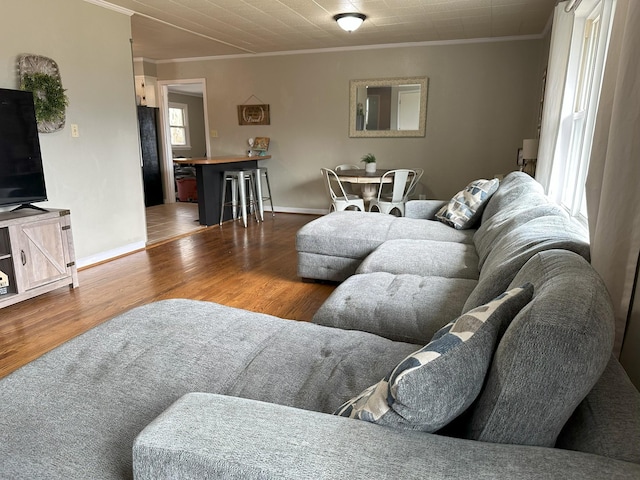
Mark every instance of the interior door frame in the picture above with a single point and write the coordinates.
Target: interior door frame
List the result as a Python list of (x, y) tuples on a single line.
[(168, 180)]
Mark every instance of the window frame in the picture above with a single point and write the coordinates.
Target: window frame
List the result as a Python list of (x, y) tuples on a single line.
[(185, 114), (585, 71)]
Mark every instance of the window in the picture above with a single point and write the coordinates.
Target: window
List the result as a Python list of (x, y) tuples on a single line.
[(179, 125), (591, 27)]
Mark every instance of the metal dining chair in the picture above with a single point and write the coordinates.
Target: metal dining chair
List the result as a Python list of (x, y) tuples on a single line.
[(350, 189), (419, 173), (340, 199), (346, 166), (404, 181)]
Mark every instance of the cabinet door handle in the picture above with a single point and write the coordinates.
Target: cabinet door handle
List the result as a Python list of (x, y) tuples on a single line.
[(23, 257)]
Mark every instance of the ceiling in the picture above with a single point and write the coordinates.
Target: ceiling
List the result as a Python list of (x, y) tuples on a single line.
[(173, 29)]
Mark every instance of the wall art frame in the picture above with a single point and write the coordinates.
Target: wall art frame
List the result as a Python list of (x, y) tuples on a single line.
[(254, 114)]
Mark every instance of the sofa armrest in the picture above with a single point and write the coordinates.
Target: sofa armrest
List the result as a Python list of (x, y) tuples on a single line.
[(214, 436), (424, 209)]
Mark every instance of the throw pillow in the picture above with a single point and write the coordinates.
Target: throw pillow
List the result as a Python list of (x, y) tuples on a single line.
[(466, 206), (435, 384)]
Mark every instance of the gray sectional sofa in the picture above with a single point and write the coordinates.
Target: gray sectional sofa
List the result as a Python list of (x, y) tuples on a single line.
[(413, 285), (182, 389)]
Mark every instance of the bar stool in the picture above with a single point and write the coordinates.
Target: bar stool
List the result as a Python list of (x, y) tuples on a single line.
[(259, 173), (239, 180)]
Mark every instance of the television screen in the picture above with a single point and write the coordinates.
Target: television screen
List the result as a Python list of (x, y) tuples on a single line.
[(21, 173)]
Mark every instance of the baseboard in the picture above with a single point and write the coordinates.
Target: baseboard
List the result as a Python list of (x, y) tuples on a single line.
[(109, 254), (307, 211), (132, 247)]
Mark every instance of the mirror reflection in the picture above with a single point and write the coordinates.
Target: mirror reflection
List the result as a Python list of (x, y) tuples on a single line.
[(392, 107)]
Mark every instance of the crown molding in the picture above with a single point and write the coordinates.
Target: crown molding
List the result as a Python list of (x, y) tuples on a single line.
[(111, 6), (126, 11), (356, 48)]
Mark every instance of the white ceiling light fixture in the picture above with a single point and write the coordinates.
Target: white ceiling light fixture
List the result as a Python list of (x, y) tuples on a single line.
[(349, 21)]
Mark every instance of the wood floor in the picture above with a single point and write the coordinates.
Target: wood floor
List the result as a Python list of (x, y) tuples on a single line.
[(171, 220), (252, 268)]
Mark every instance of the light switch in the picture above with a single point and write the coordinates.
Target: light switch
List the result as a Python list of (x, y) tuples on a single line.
[(214, 133)]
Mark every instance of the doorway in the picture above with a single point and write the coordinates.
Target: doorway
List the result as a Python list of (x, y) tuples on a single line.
[(172, 219), (191, 95)]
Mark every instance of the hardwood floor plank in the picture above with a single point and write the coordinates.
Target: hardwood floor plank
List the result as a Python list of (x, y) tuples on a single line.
[(171, 220), (253, 268)]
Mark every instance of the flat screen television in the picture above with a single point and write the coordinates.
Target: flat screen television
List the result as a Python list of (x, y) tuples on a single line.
[(21, 173)]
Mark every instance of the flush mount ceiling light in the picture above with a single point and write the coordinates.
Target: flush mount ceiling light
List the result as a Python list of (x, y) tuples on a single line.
[(349, 21)]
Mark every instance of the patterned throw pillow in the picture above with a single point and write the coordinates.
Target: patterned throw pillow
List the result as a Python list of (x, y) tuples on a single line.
[(466, 206), (435, 384)]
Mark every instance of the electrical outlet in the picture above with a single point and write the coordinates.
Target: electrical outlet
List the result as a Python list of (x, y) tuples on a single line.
[(74, 130), (214, 133)]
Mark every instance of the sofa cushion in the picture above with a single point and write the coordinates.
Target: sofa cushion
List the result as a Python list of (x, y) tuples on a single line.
[(488, 234), (326, 267), (550, 357), (517, 246), (423, 258), (406, 308), (433, 385), (516, 189), (425, 209), (466, 206), (346, 234), (417, 229)]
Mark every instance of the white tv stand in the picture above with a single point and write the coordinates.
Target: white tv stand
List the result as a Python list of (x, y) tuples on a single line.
[(36, 253)]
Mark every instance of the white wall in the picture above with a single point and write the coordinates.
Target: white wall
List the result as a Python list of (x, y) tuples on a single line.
[(483, 100), (97, 176)]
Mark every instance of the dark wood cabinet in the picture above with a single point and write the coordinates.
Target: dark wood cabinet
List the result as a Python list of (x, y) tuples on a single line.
[(150, 145)]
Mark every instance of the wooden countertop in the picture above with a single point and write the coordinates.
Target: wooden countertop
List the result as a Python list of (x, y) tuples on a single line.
[(220, 159)]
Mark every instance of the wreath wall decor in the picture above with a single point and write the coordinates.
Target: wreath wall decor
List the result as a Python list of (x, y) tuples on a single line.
[(41, 76)]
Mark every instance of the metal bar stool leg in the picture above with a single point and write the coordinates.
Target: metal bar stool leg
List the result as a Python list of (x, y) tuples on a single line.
[(224, 196), (263, 170), (234, 196), (243, 197), (253, 195), (253, 192), (238, 180), (258, 182)]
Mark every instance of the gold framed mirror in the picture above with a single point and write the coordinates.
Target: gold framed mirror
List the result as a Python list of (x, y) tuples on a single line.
[(388, 107)]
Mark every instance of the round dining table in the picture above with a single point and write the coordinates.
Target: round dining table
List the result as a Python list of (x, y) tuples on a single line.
[(369, 182)]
